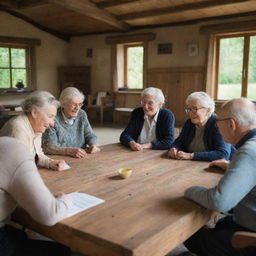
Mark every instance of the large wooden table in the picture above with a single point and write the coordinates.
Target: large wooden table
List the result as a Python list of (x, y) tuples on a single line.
[(144, 215)]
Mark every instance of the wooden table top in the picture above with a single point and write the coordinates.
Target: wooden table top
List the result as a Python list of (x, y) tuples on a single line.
[(144, 215)]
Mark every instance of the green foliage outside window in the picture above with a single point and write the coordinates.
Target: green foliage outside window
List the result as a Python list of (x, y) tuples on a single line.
[(135, 67), (231, 68), (12, 67)]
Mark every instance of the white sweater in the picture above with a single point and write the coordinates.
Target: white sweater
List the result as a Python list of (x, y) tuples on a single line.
[(19, 127), (21, 184)]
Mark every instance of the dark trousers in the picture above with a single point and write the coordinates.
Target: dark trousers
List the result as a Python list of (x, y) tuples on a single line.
[(217, 241), (14, 242)]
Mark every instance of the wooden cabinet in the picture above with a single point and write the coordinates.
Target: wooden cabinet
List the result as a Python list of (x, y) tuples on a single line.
[(75, 76)]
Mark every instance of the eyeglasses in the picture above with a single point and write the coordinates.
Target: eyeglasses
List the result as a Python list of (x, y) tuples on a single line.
[(224, 119), (149, 103), (192, 110), (79, 105)]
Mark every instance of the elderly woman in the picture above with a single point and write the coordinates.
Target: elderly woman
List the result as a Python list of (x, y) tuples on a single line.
[(21, 185), (71, 134), (39, 109), (151, 126), (200, 138)]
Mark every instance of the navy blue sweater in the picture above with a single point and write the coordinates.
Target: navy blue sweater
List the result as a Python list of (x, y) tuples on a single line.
[(214, 144), (164, 128)]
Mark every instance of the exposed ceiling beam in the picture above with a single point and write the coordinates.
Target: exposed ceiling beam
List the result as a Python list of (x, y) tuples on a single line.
[(9, 3), (90, 9), (113, 3), (19, 15), (179, 8), (24, 4)]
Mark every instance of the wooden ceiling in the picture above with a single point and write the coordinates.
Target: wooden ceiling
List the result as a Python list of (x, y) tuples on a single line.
[(66, 18)]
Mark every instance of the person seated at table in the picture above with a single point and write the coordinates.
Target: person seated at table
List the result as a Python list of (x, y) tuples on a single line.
[(151, 126), (200, 139), (237, 188), (21, 185), (71, 134), (39, 109)]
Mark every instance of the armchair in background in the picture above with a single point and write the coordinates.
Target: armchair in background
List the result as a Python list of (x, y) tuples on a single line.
[(101, 102)]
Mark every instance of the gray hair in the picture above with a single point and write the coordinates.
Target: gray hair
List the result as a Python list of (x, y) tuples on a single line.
[(242, 110), (68, 93), (205, 100), (159, 96), (38, 100)]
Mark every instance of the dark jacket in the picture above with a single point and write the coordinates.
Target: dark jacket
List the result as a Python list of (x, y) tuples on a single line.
[(164, 128), (214, 143)]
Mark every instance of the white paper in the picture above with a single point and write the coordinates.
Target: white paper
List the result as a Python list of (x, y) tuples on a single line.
[(82, 201), (66, 166)]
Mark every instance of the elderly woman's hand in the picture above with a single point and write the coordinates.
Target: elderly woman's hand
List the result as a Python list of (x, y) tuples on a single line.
[(135, 146), (93, 149), (181, 155), (57, 165), (146, 145), (221, 163), (172, 153), (76, 152)]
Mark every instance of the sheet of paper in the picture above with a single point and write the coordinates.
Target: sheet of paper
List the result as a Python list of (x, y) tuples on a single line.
[(82, 201), (66, 166)]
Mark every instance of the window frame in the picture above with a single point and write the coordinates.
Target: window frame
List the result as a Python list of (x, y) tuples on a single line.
[(29, 45), (126, 47), (245, 65)]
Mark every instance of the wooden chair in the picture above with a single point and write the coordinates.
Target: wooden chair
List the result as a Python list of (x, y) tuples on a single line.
[(243, 239), (101, 102)]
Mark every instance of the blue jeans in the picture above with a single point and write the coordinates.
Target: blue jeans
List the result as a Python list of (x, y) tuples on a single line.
[(14, 242), (217, 241)]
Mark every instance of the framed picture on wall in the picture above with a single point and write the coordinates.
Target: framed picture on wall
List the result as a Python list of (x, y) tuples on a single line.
[(165, 48), (192, 49)]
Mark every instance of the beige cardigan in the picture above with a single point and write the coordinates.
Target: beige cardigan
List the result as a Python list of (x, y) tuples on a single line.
[(19, 127), (21, 184)]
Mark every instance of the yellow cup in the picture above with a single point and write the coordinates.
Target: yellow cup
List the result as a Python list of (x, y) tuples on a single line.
[(125, 172)]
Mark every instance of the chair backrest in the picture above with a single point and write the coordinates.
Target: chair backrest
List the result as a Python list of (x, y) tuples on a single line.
[(243, 239), (100, 95)]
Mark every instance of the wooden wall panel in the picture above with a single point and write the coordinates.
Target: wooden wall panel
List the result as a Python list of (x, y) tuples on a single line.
[(177, 84)]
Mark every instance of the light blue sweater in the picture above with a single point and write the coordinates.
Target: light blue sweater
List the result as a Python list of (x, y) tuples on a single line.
[(237, 188)]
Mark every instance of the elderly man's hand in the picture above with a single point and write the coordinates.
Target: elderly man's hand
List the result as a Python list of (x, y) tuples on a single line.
[(57, 165), (93, 149), (76, 152), (135, 146), (221, 163)]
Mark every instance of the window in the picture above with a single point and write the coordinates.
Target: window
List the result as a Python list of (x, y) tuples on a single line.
[(129, 55), (13, 66), (236, 66), (133, 66), (17, 62)]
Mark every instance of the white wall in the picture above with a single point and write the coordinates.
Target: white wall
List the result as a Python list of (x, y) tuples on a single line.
[(49, 55)]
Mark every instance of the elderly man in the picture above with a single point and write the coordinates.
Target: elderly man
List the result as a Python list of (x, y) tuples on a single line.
[(237, 188)]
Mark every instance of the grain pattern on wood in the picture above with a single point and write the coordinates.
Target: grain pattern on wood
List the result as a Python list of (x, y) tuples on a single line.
[(144, 215)]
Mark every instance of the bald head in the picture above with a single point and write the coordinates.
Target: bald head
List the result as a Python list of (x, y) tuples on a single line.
[(242, 110)]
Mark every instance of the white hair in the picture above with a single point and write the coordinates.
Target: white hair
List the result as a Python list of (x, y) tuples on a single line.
[(205, 100), (159, 96), (242, 110), (38, 100), (68, 93)]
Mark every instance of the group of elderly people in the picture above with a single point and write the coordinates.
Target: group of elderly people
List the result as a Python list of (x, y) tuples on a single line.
[(65, 130)]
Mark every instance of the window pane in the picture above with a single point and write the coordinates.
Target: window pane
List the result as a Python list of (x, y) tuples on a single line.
[(19, 74), (5, 78), (251, 90), (4, 57), (135, 67), (230, 68), (18, 58)]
